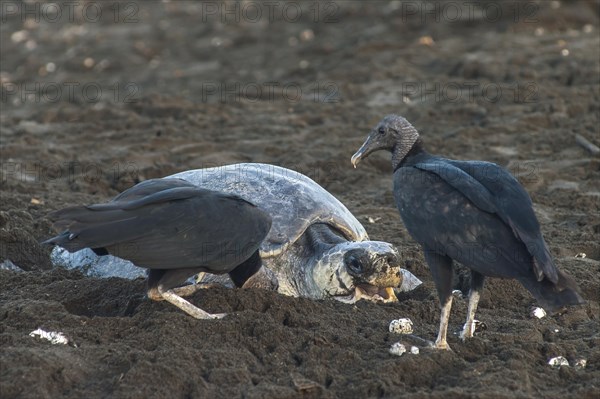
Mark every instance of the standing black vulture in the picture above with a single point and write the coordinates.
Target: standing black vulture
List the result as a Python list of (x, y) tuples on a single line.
[(175, 230), (470, 211)]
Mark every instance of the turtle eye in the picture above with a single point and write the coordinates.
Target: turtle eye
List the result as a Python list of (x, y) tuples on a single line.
[(354, 264), (381, 130)]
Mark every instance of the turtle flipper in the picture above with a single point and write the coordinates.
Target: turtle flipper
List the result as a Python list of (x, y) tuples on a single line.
[(264, 279)]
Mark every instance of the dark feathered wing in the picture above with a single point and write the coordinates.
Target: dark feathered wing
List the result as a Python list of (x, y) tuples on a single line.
[(494, 190), (151, 186), (167, 224)]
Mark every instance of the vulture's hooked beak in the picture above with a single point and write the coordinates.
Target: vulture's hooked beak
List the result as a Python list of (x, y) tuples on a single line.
[(362, 152)]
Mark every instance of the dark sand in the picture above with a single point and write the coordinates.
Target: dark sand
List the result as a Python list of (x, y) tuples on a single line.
[(307, 103)]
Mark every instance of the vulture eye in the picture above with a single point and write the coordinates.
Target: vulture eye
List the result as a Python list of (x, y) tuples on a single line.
[(381, 130)]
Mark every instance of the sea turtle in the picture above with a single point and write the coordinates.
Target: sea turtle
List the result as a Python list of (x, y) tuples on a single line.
[(316, 248)]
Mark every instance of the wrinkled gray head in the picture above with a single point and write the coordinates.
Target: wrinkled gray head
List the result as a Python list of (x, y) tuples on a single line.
[(393, 133), (360, 270)]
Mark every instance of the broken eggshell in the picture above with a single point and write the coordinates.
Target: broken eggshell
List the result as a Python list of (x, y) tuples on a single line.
[(52, 336), (558, 361), (401, 326), (580, 363), (397, 349)]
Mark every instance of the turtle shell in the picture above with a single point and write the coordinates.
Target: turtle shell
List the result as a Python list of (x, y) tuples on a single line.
[(293, 200)]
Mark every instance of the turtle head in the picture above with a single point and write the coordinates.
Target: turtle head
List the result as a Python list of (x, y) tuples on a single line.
[(370, 270)]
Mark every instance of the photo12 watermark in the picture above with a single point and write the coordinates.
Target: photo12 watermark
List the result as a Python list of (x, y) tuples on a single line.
[(70, 171), (329, 171), (54, 92), (124, 171), (467, 11), (525, 172), (291, 92), (71, 11), (270, 11), (468, 91), (206, 11)]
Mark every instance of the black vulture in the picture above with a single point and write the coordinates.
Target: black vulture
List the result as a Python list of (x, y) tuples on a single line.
[(472, 212), (175, 230)]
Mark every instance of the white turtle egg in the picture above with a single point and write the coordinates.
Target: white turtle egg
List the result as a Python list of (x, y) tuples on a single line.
[(558, 361), (397, 349), (401, 326), (414, 350), (538, 312)]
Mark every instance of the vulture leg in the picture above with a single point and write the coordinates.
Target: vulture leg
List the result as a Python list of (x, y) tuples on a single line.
[(476, 286), (441, 270), (162, 284)]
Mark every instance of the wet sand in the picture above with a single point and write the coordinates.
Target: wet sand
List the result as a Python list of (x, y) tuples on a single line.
[(163, 87)]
